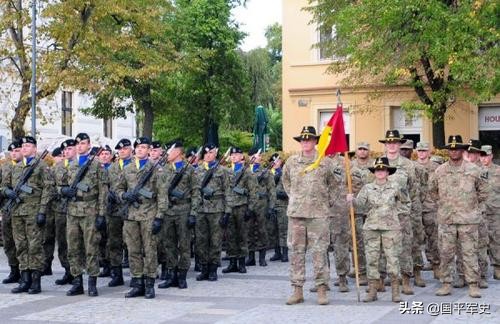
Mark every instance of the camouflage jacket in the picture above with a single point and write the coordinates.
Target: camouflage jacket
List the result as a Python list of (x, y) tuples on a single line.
[(360, 176), (246, 191), (60, 174), (340, 208), (460, 190), (383, 204), (406, 179), (311, 194), (40, 182), (219, 184), (491, 175), (5, 168), (128, 180), (114, 171), (281, 196), (428, 201), (93, 202), (175, 205), (266, 194)]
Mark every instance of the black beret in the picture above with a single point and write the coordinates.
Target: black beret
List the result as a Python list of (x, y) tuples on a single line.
[(94, 150), (123, 143), (81, 137), (253, 151), (177, 142), (207, 148), (274, 157), (156, 144), (107, 148), (28, 139), (235, 149), (57, 152), (190, 152), (15, 144), (68, 142), (142, 140)]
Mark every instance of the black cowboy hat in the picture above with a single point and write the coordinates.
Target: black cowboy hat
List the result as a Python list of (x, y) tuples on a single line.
[(474, 146), (392, 135), (382, 163), (308, 132), (455, 142)]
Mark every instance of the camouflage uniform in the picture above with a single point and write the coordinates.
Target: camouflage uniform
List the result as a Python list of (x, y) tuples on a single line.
[(142, 244), (281, 207), (416, 216), (9, 246), (492, 177), (258, 239), (311, 197), (459, 190)]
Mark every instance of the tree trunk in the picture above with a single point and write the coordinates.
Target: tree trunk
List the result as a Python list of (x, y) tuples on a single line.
[(147, 108), (22, 109), (438, 133)]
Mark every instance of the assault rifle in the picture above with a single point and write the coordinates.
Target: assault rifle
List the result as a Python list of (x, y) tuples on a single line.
[(266, 170), (173, 192), (206, 192), (236, 189)]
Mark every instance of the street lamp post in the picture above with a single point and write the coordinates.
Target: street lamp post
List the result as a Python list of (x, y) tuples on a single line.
[(33, 68)]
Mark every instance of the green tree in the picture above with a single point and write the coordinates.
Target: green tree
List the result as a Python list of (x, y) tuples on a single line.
[(260, 72), (274, 41), (443, 49)]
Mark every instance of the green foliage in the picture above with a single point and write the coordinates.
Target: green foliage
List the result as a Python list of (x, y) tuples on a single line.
[(238, 138), (274, 42), (275, 128)]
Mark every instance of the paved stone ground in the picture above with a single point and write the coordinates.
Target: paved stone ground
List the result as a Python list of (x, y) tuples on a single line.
[(257, 297)]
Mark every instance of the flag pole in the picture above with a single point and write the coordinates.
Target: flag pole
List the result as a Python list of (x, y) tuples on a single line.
[(347, 162)]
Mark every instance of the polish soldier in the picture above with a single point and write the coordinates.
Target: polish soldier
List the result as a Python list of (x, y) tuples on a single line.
[(29, 215), (281, 251), (106, 160)]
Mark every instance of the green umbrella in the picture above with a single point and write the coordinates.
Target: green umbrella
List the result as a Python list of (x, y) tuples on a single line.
[(260, 132)]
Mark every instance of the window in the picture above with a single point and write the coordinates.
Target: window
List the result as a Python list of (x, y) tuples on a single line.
[(325, 37), (410, 126), (67, 113), (107, 127)]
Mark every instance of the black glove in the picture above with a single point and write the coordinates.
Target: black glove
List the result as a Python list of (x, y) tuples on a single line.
[(130, 197), (100, 223), (41, 219), (249, 214), (224, 220), (191, 222), (156, 227), (68, 192), (112, 198), (281, 195), (11, 194)]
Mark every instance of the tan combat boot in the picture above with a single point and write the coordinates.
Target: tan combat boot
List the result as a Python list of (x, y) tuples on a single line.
[(496, 273), (395, 289), (419, 281), (483, 283), (460, 282), (381, 285), (406, 285), (297, 297), (363, 281), (474, 290), (322, 296), (372, 291), (343, 284), (435, 269), (445, 289), (315, 289)]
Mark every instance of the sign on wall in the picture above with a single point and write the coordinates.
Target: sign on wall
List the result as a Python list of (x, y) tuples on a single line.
[(489, 118)]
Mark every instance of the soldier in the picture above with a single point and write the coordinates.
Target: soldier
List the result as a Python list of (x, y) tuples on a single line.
[(492, 175), (406, 178), (310, 206), (9, 245), (142, 224), (460, 191), (264, 209), (85, 216), (383, 201), (156, 151), (191, 155), (281, 251), (241, 200), (211, 211), (429, 208), (28, 216), (175, 187)]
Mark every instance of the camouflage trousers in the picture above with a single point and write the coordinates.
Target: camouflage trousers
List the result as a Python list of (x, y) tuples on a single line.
[(482, 251), (142, 248), (114, 241), (360, 221), (340, 239), (55, 231), (407, 248), (418, 233), (449, 236), (83, 244), (429, 220), (28, 237), (282, 226), (237, 236), (494, 236), (208, 238), (257, 231), (9, 246), (377, 241), (272, 231), (177, 240), (312, 234)]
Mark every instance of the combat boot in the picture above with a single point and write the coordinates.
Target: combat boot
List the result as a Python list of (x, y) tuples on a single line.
[(445, 289), (251, 259), (204, 273), (315, 288), (77, 288), (182, 279), (116, 277), (67, 278), (106, 270), (381, 285), (262, 258), (232, 267), (168, 280), (137, 290), (150, 288), (483, 283), (212, 272), (406, 285), (496, 273), (284, 254), (419, 281), (435, 270), (277, 254), (372, 291), (343, 284), (24, 284), (125, 263), (241, 265), (36, 287), (395, 289), (92, 282), (322, 295), (14, 275), (459, 282), (363, 281), (163, 273), (474, 290), (297, 297)]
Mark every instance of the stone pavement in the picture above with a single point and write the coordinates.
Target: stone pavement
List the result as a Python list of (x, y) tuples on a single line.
[(257, 297)]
